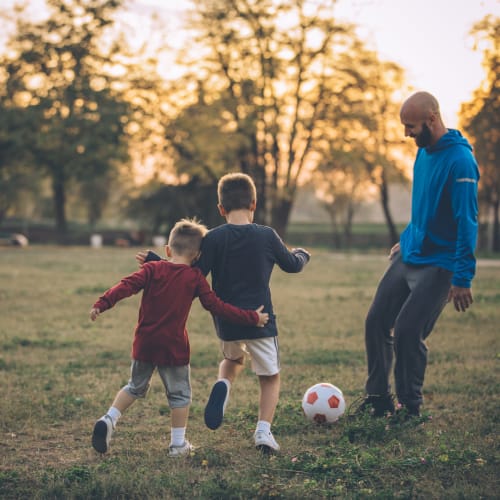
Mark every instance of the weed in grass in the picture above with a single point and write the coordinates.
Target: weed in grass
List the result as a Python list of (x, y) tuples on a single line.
[(211, 458)]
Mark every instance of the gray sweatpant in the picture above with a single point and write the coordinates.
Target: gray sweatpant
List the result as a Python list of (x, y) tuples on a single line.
[(407, 303)]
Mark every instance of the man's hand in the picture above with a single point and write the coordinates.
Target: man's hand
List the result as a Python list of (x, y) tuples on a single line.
[(140, 257), (394, 251), (263, 317), (94, 312), (461, 297)]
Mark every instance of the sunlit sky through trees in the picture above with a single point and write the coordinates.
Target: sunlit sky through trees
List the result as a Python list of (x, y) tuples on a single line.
[(429, 38)]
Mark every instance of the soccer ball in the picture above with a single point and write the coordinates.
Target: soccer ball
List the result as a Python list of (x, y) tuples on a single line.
[(323, 403)]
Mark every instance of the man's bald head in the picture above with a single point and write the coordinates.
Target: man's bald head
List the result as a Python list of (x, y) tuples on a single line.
[(421, 118), (421, 104)]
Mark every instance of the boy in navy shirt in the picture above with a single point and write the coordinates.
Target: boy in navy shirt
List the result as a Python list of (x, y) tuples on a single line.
[(240, 256)]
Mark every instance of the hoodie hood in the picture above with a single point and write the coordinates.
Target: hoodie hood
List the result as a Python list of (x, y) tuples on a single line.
[(452, 138)]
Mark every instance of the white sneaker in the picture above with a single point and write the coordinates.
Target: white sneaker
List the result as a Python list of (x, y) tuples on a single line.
[(180, 451), (265, 441), (103, 429)]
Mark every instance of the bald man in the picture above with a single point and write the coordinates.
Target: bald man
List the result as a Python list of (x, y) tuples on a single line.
[(432, 264)]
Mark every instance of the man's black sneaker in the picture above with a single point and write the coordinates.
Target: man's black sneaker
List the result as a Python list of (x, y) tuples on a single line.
[(413, 411), (377, 406), (406, 412)]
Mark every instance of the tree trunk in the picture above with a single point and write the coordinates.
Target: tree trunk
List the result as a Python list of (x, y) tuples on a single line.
[(59, 198), (259, 176), (3, 212), (280, 214), (252, 164), (336, 236), (348, 224), (384, 199)]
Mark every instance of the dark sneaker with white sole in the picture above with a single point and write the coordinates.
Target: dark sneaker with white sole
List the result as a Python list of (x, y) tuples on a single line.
[(103, 429), (214, 411)]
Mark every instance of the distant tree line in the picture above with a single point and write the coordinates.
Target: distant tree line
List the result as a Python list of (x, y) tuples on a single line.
[(281, 90)]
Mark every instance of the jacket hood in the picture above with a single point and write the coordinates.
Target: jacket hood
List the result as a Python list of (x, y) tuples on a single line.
[(452, 138)]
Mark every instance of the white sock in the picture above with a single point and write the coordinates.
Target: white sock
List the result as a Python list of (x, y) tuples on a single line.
[(177, 436), (262, 425), (115, 415)]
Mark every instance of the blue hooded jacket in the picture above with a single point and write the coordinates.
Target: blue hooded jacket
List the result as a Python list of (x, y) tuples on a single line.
[(443, 227)]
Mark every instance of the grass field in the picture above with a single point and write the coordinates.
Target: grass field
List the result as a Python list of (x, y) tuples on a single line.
[(60, 373)]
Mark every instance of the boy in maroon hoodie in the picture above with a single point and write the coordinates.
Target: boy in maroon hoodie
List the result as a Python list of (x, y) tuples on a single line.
[(161, 341)]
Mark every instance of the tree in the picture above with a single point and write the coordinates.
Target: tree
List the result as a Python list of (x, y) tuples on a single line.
[(361, 148), (16, 178), (159, 206), (199, 150), (341, 183), (57, 70), (480, 118), (384, 153), (276, 64)]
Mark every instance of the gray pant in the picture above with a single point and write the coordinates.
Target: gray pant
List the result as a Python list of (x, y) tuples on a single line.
[(407, 303), (176, 380)]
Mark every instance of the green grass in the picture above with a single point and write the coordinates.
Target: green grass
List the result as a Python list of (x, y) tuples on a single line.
[(358, 228), (60, 372)]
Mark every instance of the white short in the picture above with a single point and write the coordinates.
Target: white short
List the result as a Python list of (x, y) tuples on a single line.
[(263, 353)]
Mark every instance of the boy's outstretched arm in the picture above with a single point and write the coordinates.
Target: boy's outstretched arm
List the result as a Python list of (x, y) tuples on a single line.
[(290, 261), (128, 286)]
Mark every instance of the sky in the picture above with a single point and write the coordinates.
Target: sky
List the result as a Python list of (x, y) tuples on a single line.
[(428, 38)]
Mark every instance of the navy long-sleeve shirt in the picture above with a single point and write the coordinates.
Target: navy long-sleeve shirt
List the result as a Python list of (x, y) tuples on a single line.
[(240, 259)]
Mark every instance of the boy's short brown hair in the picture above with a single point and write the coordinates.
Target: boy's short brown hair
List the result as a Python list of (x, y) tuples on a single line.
[(236, 191), (185, 237)]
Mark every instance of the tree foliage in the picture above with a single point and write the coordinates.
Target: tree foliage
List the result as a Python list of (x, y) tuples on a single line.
[(55, 75), (282, 69), (274, 88), (481, 120), (16, 178), (361, 149)]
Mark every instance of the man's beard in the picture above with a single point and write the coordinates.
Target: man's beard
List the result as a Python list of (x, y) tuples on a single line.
[(424, 138)]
